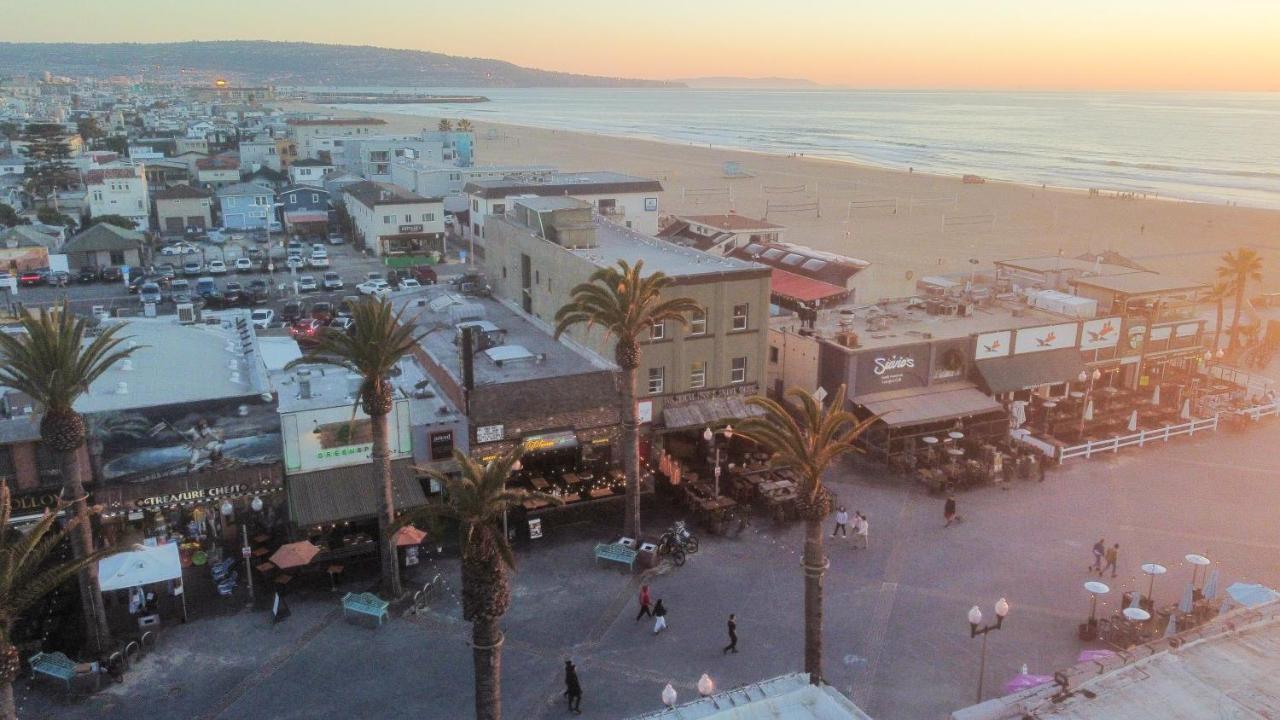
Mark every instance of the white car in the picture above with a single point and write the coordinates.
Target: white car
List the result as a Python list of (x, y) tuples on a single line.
[(262, 317), (179, 248), (336, 239), (244, 264), (216, 267), (409, 284), (295, 262), (377, 288), (318, 248), (307, 283), (332, 281), (318, 260)]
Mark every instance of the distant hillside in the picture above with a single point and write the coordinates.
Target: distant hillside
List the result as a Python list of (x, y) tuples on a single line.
[(744, 83), (281, 63)]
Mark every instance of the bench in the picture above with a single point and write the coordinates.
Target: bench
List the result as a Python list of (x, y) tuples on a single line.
[(55, 665), (365, 604), (616, 552)]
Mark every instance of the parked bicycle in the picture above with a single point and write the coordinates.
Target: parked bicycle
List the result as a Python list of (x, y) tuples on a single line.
[(677, 542), (422, 598)]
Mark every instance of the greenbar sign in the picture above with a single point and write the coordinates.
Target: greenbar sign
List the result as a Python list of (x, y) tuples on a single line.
[(364, 450), (404, 261)]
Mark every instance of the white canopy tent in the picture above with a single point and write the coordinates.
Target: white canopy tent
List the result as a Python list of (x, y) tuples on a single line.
[(143, 565)]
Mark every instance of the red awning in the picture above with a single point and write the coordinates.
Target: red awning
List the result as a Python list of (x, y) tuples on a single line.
[(306, 216), (791, 286)]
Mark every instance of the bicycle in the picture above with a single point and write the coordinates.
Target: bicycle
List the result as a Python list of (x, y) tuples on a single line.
[(677, 542), (422, 598)]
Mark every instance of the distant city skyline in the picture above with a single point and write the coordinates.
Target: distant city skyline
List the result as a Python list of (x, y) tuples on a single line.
[(982, 44)]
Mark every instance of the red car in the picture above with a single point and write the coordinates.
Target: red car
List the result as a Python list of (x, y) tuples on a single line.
[(29, 278), (307, 331)]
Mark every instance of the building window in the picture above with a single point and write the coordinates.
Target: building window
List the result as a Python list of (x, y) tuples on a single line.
[(698, 322), (475, 206), (738, 372), (260, 201), (117, 257), (773, 354), (499, 209), (698, 375), (97, 196), (504, 273), (315, 197), (388, 219), (428, 217), (657, 331), (740, 316), (655, 380)]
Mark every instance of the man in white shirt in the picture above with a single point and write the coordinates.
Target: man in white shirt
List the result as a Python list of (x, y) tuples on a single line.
[(861, 530)]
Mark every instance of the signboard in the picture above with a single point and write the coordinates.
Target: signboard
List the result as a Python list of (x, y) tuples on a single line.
[(196, 495), (1100, 333), (489, 433), (905, 366), (34, 503), (550, 441), (410, 228), (1187, 329), (1161, 333), (535, 528), (1045, 337), (993, 345), (644, 412), (441, 444), (743, 389), (334, 437)]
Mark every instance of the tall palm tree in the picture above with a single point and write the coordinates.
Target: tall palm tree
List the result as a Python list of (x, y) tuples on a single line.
[(25, 579), (1239, 268), (377, 342), (626, 305), (807, 438), (444, 125), (464, 125), (1219, 293), (478, 497), (53, 364)]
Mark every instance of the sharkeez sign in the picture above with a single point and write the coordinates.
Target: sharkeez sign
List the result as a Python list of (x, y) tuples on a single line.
[(1045, 337), (906, 366)]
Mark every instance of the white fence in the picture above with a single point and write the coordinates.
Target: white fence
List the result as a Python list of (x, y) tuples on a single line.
[(1255, 413)]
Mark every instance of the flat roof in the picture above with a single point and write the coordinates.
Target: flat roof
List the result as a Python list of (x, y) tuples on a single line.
[(910, 322), (615, 242), (176, 363), (1054, 263), (591, 182), (548, 357), (552, 202), (336, 387), (731, 222), (1141, 283)]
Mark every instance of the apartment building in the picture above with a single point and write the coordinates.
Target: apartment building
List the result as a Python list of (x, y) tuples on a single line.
[(443, 179), (119, 189), (392, 221), (372, 157), (306, 132), (628, 200), (309, 171)]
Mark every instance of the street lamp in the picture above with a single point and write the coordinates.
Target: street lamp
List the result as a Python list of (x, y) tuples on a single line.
[(976, 628), (1092, 378), (669, 696), (710, 437), (706, 685)]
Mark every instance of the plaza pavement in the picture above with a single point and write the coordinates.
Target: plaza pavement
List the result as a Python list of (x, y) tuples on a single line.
[(895, 633)]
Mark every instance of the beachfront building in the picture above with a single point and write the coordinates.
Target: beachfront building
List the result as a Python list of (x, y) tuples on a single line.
[(119, 189), (400, 226), (371, 157), (307, 131), (246, 206), (628, 200), (720, 234), (309, 171), (688, 377), (183, 207), (444, 179)]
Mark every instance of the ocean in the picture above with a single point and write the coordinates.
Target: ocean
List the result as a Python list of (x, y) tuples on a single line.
[(1207, 147)]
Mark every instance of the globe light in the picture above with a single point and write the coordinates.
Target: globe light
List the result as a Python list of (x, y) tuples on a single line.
[(1002, 608), (706, 685), (975, 615), (226, 508), (256, 504), (669, 696)]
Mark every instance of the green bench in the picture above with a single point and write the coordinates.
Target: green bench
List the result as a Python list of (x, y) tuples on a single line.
[(617, 553), (55, 665), (365, 604)]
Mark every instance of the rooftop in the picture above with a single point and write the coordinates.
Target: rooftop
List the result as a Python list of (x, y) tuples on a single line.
[(593, 182), (615, 242), (177, 363), (907, 321), (239, 189), (297, 122), (182, 192), (441, 310), (786, 697), (104, 236), (335, 387), (310, 162), (1140, 283), (731, 222), (1056, 263), (371, 194)]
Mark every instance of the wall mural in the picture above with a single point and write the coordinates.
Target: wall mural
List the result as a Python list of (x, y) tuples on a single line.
[(149, 443)]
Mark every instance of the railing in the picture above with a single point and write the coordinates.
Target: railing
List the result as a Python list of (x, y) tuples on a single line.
[(1256, 412), (1254, 383), (1139, 438)]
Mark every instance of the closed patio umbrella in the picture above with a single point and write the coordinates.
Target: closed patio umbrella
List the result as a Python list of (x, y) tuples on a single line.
[(1185, 605), (1211, 587), (1155, 396), (294, 554), (1186, 409), (1172, 628), (1088, 411), (1133, 421)]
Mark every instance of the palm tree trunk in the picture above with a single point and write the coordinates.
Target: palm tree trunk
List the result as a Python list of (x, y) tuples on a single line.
[(95, 614), (1235, 314), (815, 566), (486, 657), (8, 710), (1217, 328), (386, 508), (631, 453)]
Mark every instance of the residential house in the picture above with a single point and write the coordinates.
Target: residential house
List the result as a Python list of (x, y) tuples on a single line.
[(218, 171), (259, 153), (166, 173), (625, 199), (246, 206), (23, 248), (104, 245), (188, 144), (392, 221), (309, 171), (119, 189), (306, 210), (181, 207), (12, 164)]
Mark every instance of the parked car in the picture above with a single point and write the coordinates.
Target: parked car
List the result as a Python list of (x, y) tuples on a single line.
[(179, 248), (292, 311), (373, 287), (259, 292), (87, 274), (180, 291), (318, 260), (307, 331), (374, 276), (216, 267), (409, 284), (136, 281), (336, 239), (191, 269), (424, 274), (347, 303), (205, 286), (331, 281), (59, 278), (234, 294), (244, 265), (30, 278), (342, 324), (322, 311), (262, 317), (111, 273), (166, 272), (295, 246), (295, 262), (150, 293), (307, 283)]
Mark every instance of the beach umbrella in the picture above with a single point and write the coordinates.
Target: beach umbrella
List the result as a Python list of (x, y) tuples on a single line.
[(1186, 409), (1211, 587), (1088, 411), (294, 554), (1133, 421), (408, 536), (1188, 600), (1155, 396)]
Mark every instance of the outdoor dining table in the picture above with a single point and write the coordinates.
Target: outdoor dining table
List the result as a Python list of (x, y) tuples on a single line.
[(601, 492), (539, 483), (534, 504)]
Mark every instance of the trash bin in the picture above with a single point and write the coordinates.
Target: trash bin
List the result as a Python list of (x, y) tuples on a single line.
[(647, 555)]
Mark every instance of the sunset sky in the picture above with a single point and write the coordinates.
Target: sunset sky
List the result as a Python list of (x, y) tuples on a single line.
[(1055, 44)]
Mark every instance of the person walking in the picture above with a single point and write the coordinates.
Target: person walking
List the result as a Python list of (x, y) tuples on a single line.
[(659, 617), (572, 687), (1112, 555), (842, 522), (732, 647), (861, 530), (949, 510), (644, 603), (1099, 551)]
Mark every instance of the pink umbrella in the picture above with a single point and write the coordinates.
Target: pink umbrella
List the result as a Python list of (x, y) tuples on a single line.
[(408, 536), (294, 554)]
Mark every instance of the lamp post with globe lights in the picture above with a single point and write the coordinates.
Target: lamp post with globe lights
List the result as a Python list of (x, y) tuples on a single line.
[(710, 437), (976, 628), (1091, 378)]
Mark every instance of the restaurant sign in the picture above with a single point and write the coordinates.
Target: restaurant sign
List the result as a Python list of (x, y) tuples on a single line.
[(550, 441), (892, 369), (1100, 333), (197, 495), (993, 345), (410, 228), (34, 502), (1045, 337), (742, 389), (489, 433)]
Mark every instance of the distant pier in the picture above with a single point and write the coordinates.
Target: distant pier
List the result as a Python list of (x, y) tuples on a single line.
[(361, 98)]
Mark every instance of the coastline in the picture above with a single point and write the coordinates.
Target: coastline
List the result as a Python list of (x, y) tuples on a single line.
[(904, 223)]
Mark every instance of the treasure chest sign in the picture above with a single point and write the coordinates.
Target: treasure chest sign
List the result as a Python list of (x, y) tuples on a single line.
[(142, 445), (905, 366)]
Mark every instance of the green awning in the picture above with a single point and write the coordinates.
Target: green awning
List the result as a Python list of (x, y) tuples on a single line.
[(1019, 372)]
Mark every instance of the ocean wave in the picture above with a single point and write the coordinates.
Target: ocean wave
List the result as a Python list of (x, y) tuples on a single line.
[(1182, 169)]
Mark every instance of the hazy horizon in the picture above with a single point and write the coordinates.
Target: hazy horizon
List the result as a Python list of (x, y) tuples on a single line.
[(1187, 45)]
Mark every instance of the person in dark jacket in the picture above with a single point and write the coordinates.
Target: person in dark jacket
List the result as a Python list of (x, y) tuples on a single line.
[(659, 617), (949, 510), (572, 688), (732, 647)]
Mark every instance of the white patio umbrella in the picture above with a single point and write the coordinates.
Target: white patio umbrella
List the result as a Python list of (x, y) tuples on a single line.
[(1155, 396), (1186, 409), (1211, 587), (1088, 411), (1133, 421), (1019, 412)]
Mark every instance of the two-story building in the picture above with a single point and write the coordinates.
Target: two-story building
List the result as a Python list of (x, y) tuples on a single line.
[(306, 131), (259, 153), (119, 189), (306, 210), (624, 199), (309, 171), (182, 207), (393, 222), (371, 157), (218, 171), (246, 206)]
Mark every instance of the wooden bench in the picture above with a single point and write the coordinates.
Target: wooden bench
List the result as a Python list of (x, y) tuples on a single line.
[(365, 604), (617, 553), (55, 665)]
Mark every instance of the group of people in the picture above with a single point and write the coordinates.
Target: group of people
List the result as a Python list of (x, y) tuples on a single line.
[(1104, 558), (861, 528)]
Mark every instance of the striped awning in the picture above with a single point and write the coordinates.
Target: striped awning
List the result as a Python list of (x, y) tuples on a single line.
[(707, 413)]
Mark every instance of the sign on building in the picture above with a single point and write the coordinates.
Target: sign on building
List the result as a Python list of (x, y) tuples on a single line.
[(906, 366), (1045, 337), (1100, 333), (993, 345)]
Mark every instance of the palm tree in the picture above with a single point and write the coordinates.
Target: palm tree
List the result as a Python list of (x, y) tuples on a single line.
[(444, 125), (626, 305), (1238, 268), (374, 346), (478, 497), (24, 579), (102, 428), (53, 364), (1219, 293), (464, 125), (807, 438)]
